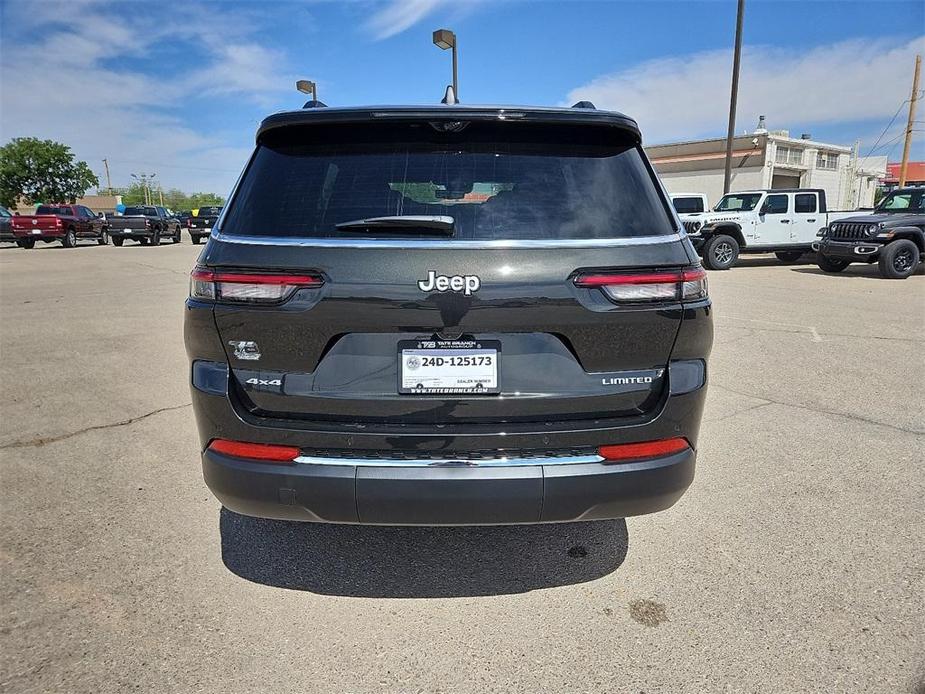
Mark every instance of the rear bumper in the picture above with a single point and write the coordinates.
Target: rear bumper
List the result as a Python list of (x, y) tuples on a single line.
[(132, 233), (387, 494), (39, 234), (448, 475)]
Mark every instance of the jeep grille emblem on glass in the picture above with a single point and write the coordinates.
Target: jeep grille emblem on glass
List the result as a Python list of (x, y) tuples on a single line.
[(467, 284)]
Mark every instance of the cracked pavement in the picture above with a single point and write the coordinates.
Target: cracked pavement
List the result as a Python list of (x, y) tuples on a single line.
[(794, 563)]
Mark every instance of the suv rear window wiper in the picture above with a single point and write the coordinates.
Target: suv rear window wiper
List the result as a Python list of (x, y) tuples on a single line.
[(404, 223)]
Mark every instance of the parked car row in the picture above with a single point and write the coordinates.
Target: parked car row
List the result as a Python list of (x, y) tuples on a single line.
[(791, 222), (69, 224)]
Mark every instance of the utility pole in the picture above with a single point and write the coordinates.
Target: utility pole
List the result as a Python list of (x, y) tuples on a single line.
[(108, 180), (909, 122), (146, 180), (734, 95), (160, 192)]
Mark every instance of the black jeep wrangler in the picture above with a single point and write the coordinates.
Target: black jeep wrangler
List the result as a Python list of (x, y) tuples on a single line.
[(894, 235)]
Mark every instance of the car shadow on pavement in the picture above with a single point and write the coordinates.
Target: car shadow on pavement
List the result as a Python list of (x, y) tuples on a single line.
[(868, 270), (418, 562), (772, 261)]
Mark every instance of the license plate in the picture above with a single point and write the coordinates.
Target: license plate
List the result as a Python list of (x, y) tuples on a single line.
[(126, 229), (36, 231), (448, 367)]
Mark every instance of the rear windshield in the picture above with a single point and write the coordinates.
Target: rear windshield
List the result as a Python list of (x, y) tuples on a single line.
[(51, 209), (140, 211), (687, 205), (497, 182), (209, 211)]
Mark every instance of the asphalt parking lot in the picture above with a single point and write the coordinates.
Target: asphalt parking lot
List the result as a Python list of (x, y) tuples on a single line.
[(794, 563)]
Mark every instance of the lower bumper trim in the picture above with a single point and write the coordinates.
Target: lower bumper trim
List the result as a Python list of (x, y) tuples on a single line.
[(543, 490)]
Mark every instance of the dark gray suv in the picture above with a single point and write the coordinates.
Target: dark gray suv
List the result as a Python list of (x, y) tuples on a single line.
[(448, 315)]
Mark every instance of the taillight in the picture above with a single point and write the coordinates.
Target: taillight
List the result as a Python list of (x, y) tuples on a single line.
[(263, 452), (623, 452), (247, 287), (662, 285), (189, 223)]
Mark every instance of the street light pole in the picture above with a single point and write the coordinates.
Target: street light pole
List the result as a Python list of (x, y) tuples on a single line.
[(307, 87), (443, 39), (733, 96)]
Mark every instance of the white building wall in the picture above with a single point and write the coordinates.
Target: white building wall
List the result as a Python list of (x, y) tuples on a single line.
[(711, 182)]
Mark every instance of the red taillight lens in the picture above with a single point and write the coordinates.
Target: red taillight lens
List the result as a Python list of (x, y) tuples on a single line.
[(255, 451), (667, 285), (623, 452), (248, 287)]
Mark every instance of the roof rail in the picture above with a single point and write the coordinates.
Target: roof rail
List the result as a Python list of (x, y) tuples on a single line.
[(584, 104), (314, 103)]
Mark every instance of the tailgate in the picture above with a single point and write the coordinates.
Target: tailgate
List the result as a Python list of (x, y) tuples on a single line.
[(563, 352)]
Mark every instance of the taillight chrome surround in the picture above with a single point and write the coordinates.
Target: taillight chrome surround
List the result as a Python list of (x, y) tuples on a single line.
[(689, 284), (248, 287)]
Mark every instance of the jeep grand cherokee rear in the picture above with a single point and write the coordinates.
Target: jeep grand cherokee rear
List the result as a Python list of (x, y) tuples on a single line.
[(448, 315)]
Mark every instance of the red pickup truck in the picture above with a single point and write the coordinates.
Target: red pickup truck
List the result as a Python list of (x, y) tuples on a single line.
[(65, 223)]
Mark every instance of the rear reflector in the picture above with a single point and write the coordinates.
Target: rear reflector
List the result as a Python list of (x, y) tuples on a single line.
[(247, 287), (255, 451), (668, 285), (649, 449)]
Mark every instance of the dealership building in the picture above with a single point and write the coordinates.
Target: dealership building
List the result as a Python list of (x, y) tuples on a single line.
[(770, 159)]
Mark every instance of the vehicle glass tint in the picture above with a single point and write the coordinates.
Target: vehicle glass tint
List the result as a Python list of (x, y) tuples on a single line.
[(210, 211), (775, 204), (50, 209), (687, 205), (738, 203), (913, 200), (497, 182), (140, 211), (804, 202)]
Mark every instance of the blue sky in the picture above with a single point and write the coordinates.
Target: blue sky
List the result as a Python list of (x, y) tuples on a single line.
[(178, 88)]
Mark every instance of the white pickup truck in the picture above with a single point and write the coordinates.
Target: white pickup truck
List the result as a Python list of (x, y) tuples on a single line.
[(783, 222)]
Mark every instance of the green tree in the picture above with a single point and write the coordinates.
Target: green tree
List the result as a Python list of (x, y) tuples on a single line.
[(34, 170), (174, 198)]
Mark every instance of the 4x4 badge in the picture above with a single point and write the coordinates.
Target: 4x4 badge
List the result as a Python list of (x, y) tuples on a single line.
[(467, 284)]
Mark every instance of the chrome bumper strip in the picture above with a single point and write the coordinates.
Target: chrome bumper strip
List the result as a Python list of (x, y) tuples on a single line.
[(448, 462)]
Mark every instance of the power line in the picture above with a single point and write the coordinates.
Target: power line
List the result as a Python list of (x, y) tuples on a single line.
[(861, 163)]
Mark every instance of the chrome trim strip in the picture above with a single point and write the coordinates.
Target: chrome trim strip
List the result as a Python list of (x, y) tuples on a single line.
[(448, 462), (443, 243)]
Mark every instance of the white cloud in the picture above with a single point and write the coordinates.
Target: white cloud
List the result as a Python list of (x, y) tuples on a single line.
[(71, 84), (399, 15), (687, 96)]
